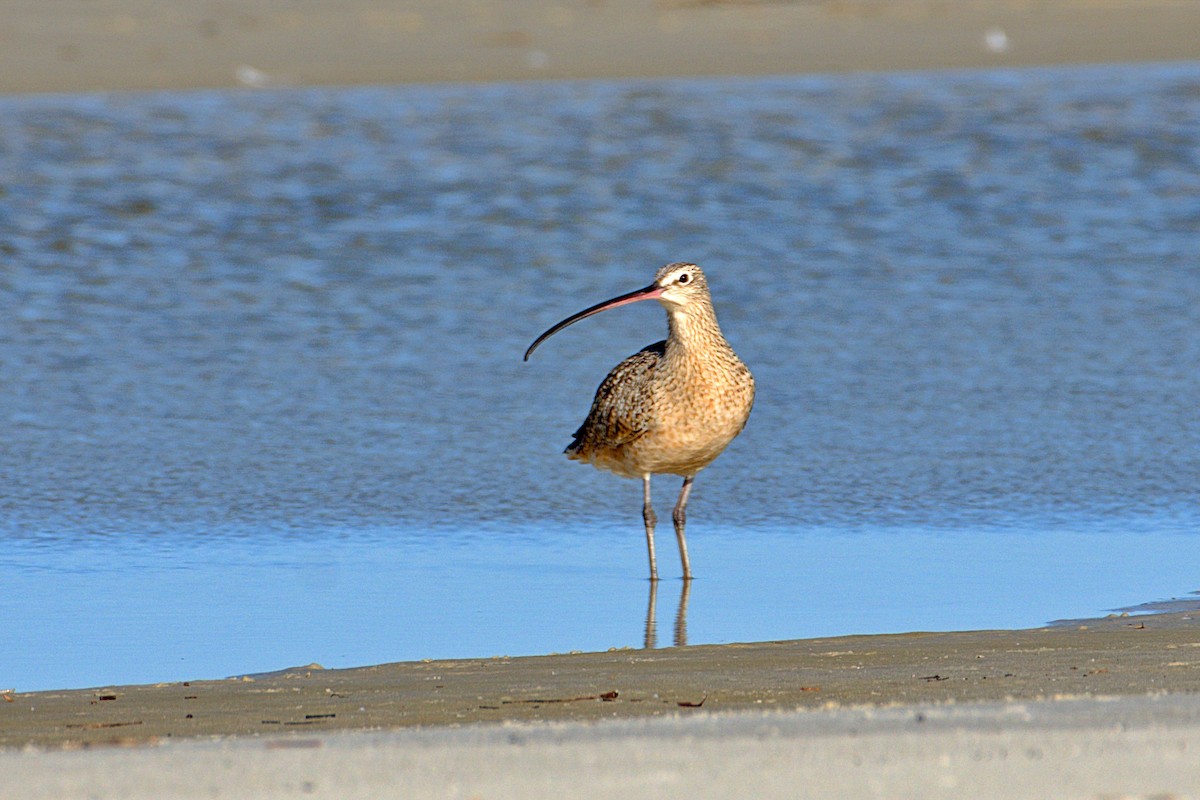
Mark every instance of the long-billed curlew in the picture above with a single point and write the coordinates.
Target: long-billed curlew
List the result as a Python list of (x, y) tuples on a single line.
[(671, 408)]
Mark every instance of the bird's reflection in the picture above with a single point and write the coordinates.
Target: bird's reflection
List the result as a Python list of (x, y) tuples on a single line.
[(680, 639), (651, 640)]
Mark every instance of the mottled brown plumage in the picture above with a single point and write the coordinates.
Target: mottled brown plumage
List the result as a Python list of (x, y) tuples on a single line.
[(672, 407)]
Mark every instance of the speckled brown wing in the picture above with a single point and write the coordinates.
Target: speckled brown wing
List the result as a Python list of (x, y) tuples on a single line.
[(621, 410)]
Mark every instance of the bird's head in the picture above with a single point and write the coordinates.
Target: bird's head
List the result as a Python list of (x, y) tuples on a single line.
[(681, 284)]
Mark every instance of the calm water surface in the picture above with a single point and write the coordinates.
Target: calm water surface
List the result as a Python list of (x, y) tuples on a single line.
[(263, 398)]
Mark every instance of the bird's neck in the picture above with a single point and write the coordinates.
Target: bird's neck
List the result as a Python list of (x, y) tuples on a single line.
[(694, 332)]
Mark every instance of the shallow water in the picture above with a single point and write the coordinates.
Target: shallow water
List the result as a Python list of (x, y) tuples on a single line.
[(261, 363)]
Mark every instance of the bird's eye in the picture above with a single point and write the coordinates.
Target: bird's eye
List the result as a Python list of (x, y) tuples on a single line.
[(684, 278)]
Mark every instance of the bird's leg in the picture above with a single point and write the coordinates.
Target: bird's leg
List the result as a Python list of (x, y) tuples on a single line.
[(679, 516), (650, 520)]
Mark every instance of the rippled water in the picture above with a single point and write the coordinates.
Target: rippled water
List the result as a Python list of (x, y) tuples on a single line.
[(263, 398)]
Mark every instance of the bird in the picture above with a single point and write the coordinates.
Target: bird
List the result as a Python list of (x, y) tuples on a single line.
[(672, 407)]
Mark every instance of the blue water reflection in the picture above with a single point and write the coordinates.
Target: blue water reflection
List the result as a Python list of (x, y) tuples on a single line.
[(127, 610)]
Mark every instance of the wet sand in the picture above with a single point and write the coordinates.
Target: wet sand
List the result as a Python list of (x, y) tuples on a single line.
[(1102, 708), (1118, 656), (151, 44), (1134, 747)]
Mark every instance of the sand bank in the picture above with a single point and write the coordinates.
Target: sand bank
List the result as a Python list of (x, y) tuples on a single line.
[(1120, 656), (152, 44), (1137, 747), (1105, 708)]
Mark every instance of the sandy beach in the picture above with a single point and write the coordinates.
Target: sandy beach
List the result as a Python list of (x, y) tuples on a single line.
[(1116, 656), (1134, 747), (148, 44), (1096, 708)]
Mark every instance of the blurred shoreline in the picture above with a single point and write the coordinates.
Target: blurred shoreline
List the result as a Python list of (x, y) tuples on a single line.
[(105, 45)]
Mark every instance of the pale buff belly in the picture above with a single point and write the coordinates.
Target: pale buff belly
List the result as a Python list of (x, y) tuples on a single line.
[(681, 449)]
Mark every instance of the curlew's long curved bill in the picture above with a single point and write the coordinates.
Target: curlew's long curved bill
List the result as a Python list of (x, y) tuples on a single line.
[(649, 293)]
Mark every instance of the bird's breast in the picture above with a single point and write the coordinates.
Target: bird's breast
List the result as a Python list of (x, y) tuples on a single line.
[(700, 411)]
